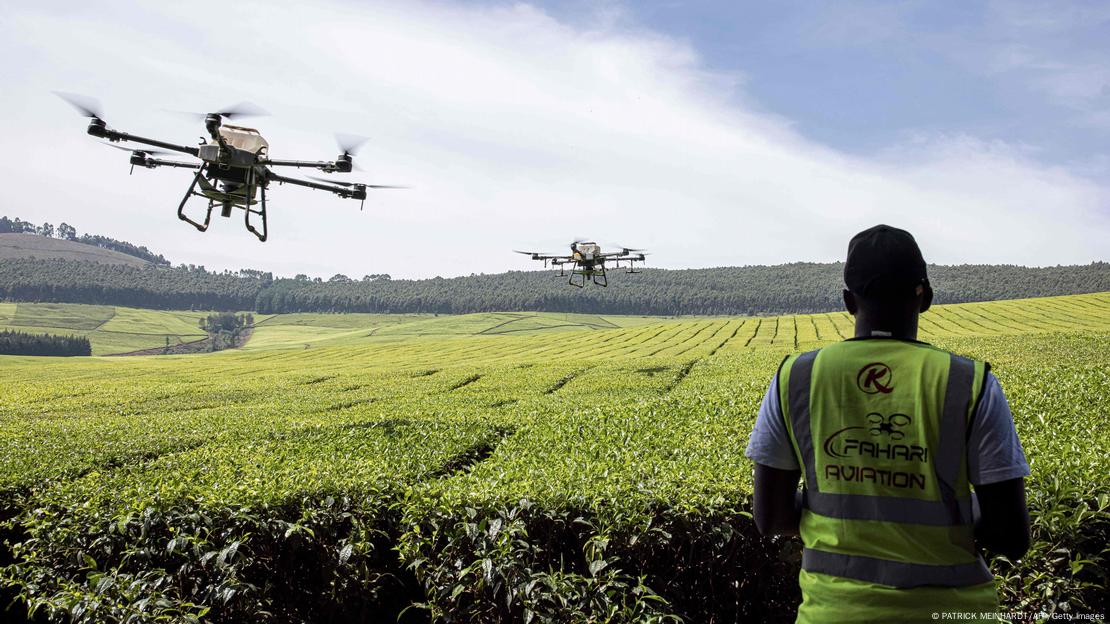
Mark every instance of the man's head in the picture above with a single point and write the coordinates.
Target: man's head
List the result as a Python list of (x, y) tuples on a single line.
[(885, 274)]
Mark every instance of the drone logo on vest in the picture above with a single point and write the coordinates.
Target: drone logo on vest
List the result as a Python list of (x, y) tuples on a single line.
[(875, 378), (888, 425)]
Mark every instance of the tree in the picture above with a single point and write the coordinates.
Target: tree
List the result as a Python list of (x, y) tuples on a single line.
[(47, 230), (18, 226), (67, 231), (225, 328)]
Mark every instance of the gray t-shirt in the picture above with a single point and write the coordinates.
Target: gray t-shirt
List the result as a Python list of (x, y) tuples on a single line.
[(994, 452)]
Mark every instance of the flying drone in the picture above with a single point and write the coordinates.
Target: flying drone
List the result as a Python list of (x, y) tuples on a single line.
[(235, 166), (587, 262)]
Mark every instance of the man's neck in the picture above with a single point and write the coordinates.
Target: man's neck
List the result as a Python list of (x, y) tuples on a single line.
[(905, 329)]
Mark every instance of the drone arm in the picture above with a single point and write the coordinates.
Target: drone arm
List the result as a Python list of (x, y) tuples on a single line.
[(280, 179), (157, 162), (616, 263), (620, 256), (329, 166), (354, 192), (103, 131)]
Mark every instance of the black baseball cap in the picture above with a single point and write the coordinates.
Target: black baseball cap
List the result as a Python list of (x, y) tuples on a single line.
[(884, 260)]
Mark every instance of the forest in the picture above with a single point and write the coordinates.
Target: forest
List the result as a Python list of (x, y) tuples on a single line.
[(20, 343), (751, 290)]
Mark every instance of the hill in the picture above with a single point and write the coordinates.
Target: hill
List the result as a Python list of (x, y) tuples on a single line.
[(753, 290), (100, 270), (23, 246)]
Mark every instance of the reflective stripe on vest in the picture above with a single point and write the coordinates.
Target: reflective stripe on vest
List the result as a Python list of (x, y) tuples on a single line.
[(950, 511), (894, 573)]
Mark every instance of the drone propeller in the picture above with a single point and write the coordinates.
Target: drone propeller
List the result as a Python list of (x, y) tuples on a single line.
[(350, 144), (630, 249), (528, 253), (352, 184), (242, 109), (87, 106)]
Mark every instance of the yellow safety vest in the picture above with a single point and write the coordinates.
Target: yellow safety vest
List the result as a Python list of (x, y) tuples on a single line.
[(879, 427)]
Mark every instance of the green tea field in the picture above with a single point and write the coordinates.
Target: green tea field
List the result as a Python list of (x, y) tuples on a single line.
[(501, 467)]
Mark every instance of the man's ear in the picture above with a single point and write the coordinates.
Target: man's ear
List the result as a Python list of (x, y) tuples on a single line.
[(926, 297), (850, 303)]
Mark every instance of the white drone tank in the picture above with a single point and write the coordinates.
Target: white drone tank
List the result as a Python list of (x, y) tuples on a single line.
[(246, 139), (589, 250)]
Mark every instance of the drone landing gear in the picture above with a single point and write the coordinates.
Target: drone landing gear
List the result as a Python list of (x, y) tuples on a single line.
[(248, 211), (227, 203), (597, 276), (189, 193)]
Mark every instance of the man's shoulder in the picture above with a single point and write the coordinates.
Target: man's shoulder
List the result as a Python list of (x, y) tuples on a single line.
[(789, 360)]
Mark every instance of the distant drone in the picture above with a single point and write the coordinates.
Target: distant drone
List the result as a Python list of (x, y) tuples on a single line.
[(588, 262), (234, 169)]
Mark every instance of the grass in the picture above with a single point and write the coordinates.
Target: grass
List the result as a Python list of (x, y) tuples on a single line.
[(85, 317), (492, 467), (7, 312)]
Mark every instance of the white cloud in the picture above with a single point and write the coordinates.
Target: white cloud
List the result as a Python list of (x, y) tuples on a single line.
[(513, 129), (1048, 47)]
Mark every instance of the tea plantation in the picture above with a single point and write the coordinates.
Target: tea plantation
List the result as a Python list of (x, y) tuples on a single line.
[(478, 468)]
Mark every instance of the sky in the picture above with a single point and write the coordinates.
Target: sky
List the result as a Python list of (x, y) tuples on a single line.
[(713, 133)]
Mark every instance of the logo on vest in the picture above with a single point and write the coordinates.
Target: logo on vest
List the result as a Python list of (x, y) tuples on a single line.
[(850, 443), (875, 378)]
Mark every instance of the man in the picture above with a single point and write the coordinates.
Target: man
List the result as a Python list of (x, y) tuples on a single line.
[(890, 435)]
